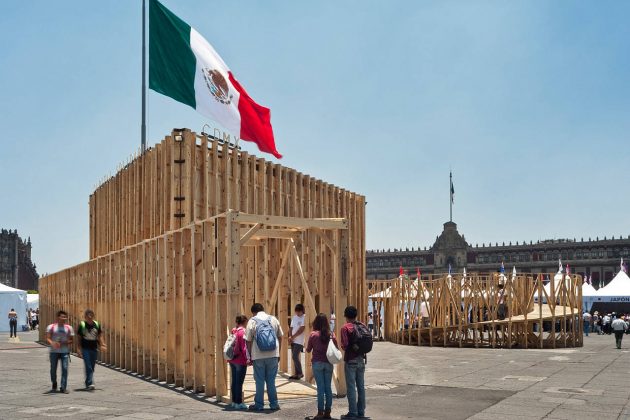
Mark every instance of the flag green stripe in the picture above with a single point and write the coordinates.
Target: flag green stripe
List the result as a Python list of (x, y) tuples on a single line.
[(171, 61)]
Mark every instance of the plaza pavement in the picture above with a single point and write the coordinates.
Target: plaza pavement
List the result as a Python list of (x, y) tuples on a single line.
[(403, 383)]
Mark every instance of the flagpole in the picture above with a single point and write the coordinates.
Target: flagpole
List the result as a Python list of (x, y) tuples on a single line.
[(450, 190), (143, 139)]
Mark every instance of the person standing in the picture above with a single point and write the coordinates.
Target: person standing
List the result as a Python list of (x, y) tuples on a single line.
[(501, 306), (60, 336), (354, 365), (318, 343), (13, 320), (264, 337), (406, 321), (29, 318), (238, 365), (91, 338), (35, 319), (587, 322), (371, 323), (296, 339), (618, 327)]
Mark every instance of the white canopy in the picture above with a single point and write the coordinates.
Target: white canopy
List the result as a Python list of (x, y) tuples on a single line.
[(387, 293), (617, 291), (11, 298), (588, 290), (33, 301)]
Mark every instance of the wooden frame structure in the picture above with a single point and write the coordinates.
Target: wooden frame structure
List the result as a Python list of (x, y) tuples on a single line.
[(463, 311), (167, 277)]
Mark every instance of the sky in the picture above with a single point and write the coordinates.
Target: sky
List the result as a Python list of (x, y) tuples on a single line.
[(527, 102)]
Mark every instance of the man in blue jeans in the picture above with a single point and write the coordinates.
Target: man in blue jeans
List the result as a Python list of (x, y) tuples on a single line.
[(91, 338), (263, 328), (354, 367), (60, 337)]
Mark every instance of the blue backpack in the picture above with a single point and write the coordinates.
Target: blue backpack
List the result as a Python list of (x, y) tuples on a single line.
[(265, 335)]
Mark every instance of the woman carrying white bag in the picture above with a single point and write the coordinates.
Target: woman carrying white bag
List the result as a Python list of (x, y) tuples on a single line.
[(323, 344)]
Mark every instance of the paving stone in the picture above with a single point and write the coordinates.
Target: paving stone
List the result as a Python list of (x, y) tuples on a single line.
[(404, 382)]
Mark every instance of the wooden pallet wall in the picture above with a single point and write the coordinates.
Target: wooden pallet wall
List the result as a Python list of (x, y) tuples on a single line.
[(463, 311), (167, 304)]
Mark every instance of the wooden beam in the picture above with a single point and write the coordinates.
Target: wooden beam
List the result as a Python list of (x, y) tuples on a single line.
[(250, 233), (310, 303), (274, 295), (276, 234), (325, 239), (297, 222)]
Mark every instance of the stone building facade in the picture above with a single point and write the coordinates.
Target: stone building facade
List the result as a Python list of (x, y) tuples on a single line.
[(16, 268), (598, 258)]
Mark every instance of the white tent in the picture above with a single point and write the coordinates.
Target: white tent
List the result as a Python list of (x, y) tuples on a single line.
[(588, 295), (617, 291), (33, 301), (11, 298)]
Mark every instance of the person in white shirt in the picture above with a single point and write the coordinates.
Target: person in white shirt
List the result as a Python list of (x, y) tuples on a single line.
[(264, 329), (619, 327), (296, 339), (606, 324)]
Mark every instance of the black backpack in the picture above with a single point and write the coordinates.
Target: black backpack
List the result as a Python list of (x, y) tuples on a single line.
[(361, 338)]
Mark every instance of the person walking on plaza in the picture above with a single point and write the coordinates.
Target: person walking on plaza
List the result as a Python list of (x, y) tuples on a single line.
[(606, 320), (322, 369), (264, 336), (595, 320), (356, 341), (296, 339), (587, 322), (60, 336), (13, 320), (619, 327), (238, 364), (91, 335)]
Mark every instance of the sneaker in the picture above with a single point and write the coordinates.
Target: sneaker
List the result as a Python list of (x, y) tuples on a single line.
[(64, 391), (241, 406), (274, 407), (349, 416), (54, 387), (254, 408), (91, 387), (233, 406)]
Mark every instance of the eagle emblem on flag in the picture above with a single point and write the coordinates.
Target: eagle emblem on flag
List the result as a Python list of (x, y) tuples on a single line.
[(217, 85)]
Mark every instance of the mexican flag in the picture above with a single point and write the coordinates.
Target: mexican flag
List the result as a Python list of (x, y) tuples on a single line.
[(185, 67)]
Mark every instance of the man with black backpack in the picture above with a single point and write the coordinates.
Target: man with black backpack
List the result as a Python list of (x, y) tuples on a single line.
[(264, 336), (91, 336), (356, 340)]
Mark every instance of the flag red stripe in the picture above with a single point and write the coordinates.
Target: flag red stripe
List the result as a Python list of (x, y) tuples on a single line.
[(255, 121)]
